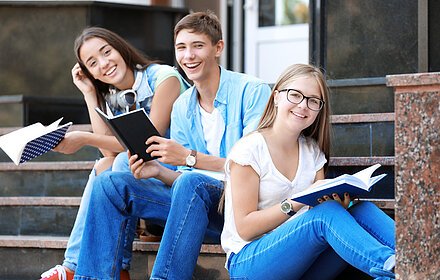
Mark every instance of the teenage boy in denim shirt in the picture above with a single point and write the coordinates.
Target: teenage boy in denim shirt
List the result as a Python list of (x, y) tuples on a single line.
[(207, 120)]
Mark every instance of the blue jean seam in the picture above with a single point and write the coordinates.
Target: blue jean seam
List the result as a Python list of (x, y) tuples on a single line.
[(178, 233), (120, 240), (347, 245), (168, 264), (374, 234), (146, 199)]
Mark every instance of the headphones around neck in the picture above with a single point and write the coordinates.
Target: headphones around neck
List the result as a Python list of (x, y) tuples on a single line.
[(124, 99)]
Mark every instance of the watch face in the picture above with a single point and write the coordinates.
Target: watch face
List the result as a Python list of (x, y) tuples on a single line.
[(190, 161), (286, 207)]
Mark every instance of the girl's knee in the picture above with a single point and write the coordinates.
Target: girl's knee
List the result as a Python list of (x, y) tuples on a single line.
[(121, 162), (363, 206), (329, 209), (330, 205), (103, 164)]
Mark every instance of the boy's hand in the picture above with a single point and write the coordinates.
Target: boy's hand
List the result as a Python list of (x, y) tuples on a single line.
[(167, 150), (141, 169)]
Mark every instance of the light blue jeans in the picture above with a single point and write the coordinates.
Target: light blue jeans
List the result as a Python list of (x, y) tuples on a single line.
[(74, 244), (190, 206), (319, 243)]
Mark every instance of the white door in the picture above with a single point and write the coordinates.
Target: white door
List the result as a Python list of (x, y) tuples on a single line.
[(276, 36)]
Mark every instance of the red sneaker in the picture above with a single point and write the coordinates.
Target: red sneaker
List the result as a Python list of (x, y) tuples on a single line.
[(58, 272), (125, 275)]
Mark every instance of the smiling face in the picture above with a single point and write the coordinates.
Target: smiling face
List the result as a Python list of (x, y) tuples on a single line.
[(297, 117), (105, 63), (197, 56)]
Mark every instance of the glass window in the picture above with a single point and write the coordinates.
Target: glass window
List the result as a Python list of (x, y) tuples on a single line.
[(282, 12), (371, 38)]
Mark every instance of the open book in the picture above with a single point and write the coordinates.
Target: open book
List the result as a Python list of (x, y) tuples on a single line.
[(32, 141), (356, 185), (132, 129)]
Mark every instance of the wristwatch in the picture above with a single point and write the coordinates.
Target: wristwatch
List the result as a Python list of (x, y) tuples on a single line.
[(286, 208), (191, 159)]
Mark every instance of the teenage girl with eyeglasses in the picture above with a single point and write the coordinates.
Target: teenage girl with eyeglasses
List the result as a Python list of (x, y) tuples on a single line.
[(267, 235)]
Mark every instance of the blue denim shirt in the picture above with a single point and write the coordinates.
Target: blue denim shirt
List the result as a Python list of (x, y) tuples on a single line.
[(240, 99)]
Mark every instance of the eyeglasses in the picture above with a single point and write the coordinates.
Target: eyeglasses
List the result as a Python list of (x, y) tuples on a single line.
[(295, 96)]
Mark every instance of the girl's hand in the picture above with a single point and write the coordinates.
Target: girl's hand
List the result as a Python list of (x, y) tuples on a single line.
[(83, 83), (345, 202), (72, 142), (141, 169)]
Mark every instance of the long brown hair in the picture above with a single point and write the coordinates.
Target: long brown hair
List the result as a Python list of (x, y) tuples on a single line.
[(132, 57), (320, 129)]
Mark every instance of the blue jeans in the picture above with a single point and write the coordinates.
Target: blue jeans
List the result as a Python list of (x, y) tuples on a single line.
[(74, 244), (117, 196), (317, 245)]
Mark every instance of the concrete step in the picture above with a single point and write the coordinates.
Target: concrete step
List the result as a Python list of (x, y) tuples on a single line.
[(335, 119), (55, 216), (68, 178), (35, 254), (87, 165), (44, 178), (38, 215)]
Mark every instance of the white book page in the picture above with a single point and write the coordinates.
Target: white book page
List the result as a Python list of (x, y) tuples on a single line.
[(14, 142), (360, 179), (323, 184), (365, 174), (375, 179)]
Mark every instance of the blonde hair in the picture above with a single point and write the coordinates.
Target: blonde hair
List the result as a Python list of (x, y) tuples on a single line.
[(320, 129)]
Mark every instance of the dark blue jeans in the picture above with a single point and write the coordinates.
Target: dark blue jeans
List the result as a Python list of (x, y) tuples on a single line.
[(189, 209)]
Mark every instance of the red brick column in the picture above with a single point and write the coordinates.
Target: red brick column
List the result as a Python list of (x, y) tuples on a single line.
[(417, 173)]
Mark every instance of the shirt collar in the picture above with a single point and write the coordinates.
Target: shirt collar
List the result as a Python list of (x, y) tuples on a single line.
[(220, 97)]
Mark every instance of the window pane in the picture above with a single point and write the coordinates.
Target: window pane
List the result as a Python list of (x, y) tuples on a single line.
[(282, 12), (370, 39)]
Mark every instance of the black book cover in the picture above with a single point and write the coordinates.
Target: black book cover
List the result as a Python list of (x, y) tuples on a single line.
[(132, 129)]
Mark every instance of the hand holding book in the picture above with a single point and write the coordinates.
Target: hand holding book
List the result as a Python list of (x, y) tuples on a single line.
[(132, 129), (355, 185), (32, 141)]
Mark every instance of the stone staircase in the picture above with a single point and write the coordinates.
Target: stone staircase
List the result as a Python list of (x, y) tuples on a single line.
[(39, 201)]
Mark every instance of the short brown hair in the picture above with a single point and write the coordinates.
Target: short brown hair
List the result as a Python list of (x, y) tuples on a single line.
[(201, 22)]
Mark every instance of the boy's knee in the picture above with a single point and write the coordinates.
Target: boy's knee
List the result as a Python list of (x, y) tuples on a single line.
[(191, 183)]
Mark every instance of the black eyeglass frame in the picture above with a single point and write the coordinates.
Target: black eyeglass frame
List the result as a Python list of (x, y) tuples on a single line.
[(322, 102)]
